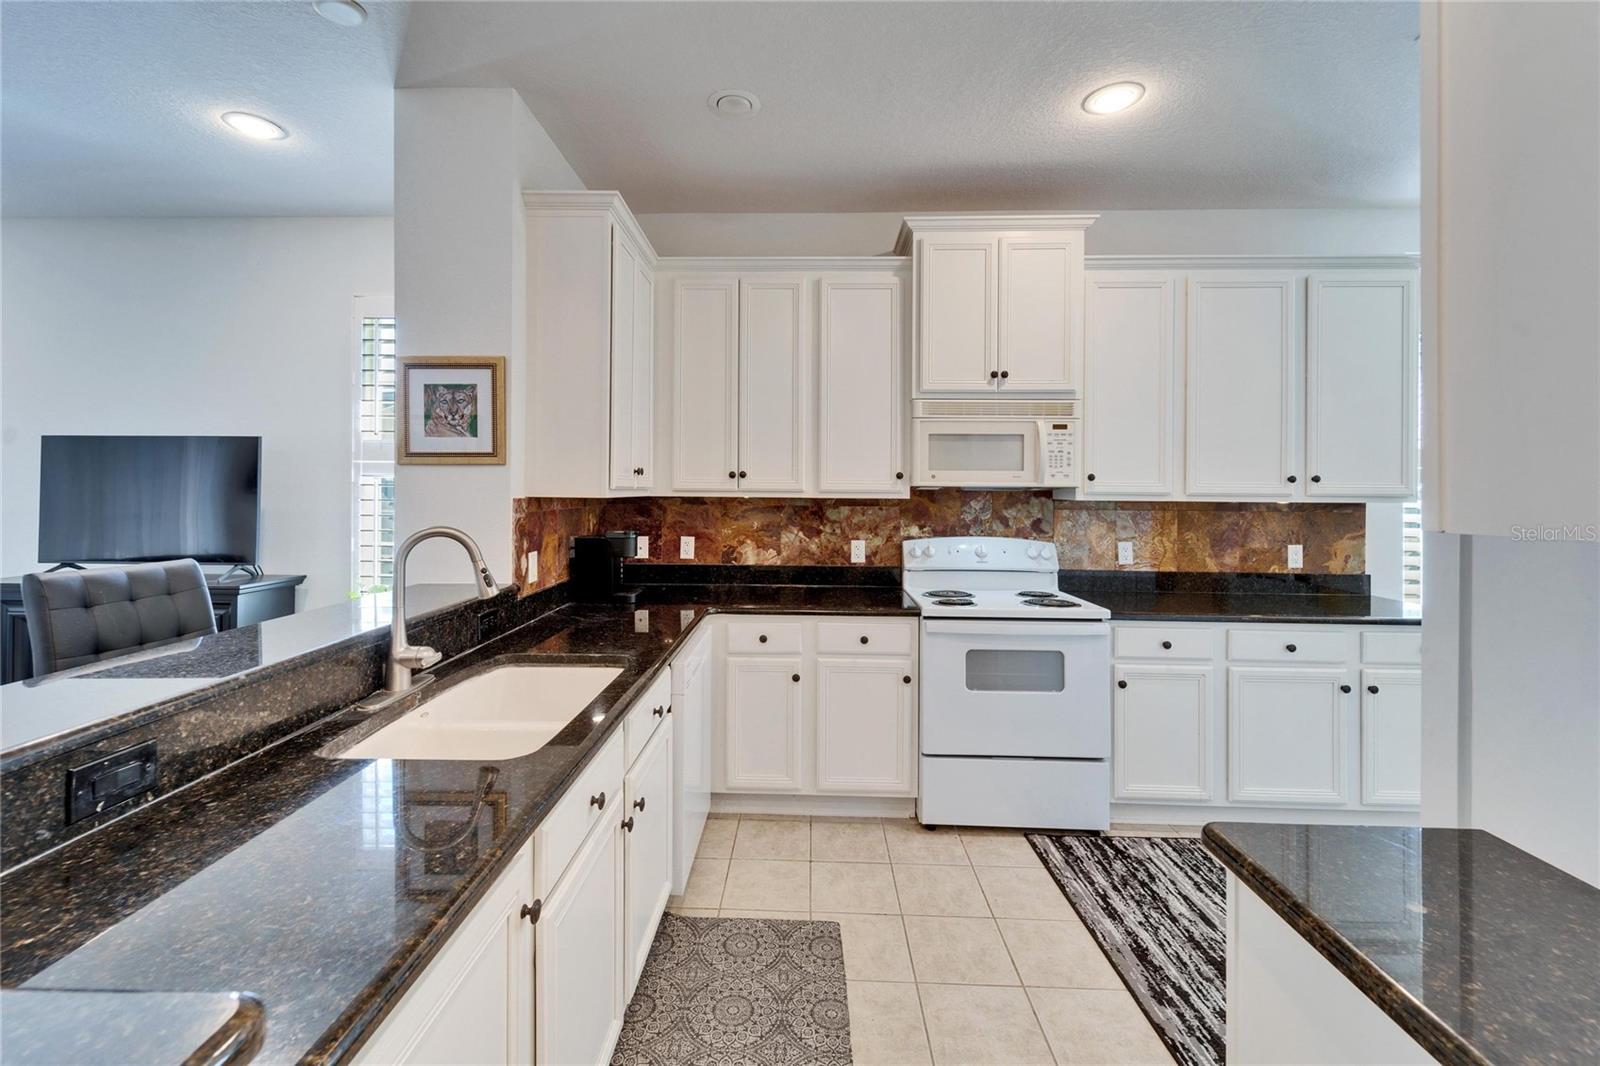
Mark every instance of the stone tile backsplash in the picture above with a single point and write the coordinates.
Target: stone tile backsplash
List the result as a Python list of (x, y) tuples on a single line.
[(1168, 536)]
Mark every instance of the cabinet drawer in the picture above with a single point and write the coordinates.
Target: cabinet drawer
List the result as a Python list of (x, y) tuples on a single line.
[(642, 720), (1291, 645), (1402, 647), (756, 638), (1161, 643), (569, 822), (865, 638)]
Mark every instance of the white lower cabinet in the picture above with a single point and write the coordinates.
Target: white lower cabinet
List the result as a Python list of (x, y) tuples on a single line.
[(578, 987), (474, 1002), (1161, 732), (1391, 737), (647, 849), (1286, 735), (762, 722), (864, 725)]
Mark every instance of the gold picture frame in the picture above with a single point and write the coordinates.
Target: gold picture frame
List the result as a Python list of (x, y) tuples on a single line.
[(439, 409)]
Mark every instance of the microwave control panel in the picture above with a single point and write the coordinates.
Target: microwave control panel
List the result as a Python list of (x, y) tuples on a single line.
[(1058, 453)]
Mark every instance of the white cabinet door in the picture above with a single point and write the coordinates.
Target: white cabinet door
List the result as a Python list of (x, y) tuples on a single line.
[(578, 956), (957, 292), (1286, 735), (860, 432), (625, 268), (774, 396), (866, 726), (1161, 733), (647, 849), (1041, 314), (644, 377), (705, 424), (1391, 738), (762, 734), (691, 755), (1130, 377), (475, 1000), (1242, 386), (1361, 385)]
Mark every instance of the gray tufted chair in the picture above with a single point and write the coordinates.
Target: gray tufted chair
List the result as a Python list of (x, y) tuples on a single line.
[(82, 616)]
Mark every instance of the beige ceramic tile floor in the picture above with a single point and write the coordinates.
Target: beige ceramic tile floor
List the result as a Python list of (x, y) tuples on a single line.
[(958, 946)]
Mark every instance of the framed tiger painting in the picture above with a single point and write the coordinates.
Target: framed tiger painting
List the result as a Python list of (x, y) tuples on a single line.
[(452, 409)]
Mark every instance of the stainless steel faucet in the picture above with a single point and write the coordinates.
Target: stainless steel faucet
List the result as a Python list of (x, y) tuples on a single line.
[(405, 657)]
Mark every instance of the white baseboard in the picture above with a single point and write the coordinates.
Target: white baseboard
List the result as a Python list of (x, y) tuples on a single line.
[(821, 806)]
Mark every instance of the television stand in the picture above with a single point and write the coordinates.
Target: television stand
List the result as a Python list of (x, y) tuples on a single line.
[(66, 566)]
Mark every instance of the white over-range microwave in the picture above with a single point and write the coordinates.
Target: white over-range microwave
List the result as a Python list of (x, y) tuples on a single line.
[(995, 443)]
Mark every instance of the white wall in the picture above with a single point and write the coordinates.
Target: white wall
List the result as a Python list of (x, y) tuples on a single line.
[(1365, 231), (193, 326), (462, 158)]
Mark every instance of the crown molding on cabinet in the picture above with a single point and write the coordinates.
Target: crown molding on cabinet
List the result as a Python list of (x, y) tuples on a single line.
[(591, 201), (744, 264), (987, 220), (1251, 262)]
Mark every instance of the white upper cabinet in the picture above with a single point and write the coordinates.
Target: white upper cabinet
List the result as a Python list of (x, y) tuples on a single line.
[(999, 303), (1041, 314), (860, 392), (590, 378), (1361, 384), (774, 366), (1132, 377), (705, 384), (1243, 359)]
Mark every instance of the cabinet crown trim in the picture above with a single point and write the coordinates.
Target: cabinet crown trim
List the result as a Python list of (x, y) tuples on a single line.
[(996, 220), (584, 201), (1251, 262), (760, 264)]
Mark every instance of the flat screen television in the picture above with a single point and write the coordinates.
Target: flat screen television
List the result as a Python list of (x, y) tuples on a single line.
[(140, 499)]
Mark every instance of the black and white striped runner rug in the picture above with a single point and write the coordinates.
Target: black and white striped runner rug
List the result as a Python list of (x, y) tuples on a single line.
[(1155, 906)]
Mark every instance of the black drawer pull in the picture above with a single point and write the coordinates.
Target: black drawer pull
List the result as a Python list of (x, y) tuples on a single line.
[(899, 475), (598, 801), (660, 712), (1091, 477), (1290, 648), (1344, 688), (863, 640), (531, 913), (1167, 644), (743, 474), (1316, 477), (1122, 684), (733, 473), (628, 825), (638, 804), (1372, 689), (993, 374), (1292, 479), (762, 638), (669, 708), (794, 677), (906, 679)]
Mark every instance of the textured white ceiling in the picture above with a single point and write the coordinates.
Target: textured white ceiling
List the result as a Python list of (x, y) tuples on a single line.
[(111, 109), (920, 106)]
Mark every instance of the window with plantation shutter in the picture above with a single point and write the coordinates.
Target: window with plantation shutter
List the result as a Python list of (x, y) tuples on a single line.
[(373, 540), (1411, 528)]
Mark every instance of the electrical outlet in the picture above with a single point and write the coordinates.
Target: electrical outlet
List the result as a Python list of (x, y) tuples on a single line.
[(644, 548), (1124, 553), (641, 621), (531, 567), (858, 551), (686, 547), (1297, 556)]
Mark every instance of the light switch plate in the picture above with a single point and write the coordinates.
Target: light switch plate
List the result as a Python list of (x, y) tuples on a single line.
[(686, 547), (644, 548), (1124, 553), (531, 567), (1297, 556), (858, 551)]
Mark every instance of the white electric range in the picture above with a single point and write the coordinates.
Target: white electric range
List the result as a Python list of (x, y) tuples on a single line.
[(1016, 688)]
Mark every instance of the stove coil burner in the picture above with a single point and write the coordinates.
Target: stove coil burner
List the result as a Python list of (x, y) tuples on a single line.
[(957, 593), (1049, 603), (1037, 595), (947, 602)]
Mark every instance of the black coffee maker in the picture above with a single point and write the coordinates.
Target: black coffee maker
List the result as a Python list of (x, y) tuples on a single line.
[(597, 567)]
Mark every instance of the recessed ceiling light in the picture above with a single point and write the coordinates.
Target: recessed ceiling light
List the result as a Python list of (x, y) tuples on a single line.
[(1109, 99), (734, 103), (341, 12), (253, 126)]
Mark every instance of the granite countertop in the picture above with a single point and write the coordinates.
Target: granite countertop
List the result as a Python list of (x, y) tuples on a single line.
[(193, 1028), (285, 874), (1478, 950)]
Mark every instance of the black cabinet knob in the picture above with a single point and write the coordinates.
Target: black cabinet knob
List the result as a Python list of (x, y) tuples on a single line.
[(1344, 688), (1122, 684), (628, 823), (638, 804), (1316, 477), (1091, 477), (659, 712), (1372, 689), (1290, 648), (733, 473), (531, 912), (899, 475), (1167, 644), (906, 679), (743, 474), (863, 640), (1005, 373), (762, 638), (669, 708), (794, 677), (598, 801), (1292, 479)]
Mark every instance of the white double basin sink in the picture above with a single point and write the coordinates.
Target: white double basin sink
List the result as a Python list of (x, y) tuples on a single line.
[(502, 713)]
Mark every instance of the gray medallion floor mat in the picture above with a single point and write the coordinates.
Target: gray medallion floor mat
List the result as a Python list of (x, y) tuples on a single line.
[(739, 992), (1155, 906)]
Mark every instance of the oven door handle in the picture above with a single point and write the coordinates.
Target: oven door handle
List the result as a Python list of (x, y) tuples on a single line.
[(943, 627)]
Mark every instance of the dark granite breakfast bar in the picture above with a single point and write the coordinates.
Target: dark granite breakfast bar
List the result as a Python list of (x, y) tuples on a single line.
[(1493, 956)]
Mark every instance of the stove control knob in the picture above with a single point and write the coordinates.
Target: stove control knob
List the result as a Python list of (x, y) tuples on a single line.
[(1048, 551), (1033, 551), (981, 552)]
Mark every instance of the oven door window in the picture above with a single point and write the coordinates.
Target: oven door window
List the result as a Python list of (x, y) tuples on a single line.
[(987, 452), (1015, 670)]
